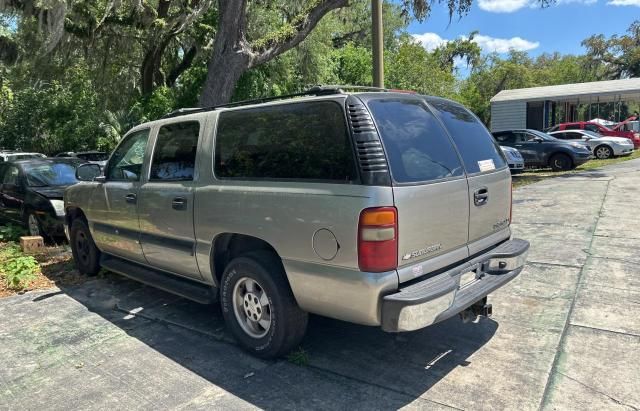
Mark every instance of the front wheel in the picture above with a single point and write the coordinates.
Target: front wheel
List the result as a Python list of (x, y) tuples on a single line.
[(561, 162), (603, 152), (258, 305), (85, 253)]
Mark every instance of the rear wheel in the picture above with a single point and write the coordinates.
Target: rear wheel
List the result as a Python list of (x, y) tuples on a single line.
[(603, 152), (33, 225), (560, 162), (85, 253), (259, 307)]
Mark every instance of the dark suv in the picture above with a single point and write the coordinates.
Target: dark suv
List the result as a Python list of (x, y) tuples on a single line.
[(542, 150)]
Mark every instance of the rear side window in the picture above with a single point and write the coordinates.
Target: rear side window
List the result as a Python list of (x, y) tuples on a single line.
[(592, 127), (418, 149), (292, 141), (506, 137), (174, 157), (477, 147), (572, 127)]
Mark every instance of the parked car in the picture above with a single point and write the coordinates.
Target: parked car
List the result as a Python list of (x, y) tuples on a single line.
[(514, 159), (31, 193), (631, 124), (600, 129), (324, 204), (97, 157), (601, 146), (18, 155), (542, 150)]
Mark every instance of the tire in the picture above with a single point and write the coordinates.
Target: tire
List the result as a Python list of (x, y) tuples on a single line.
[(603, 152), (560, 162), (255, 285), (85, 253), (33, 225)]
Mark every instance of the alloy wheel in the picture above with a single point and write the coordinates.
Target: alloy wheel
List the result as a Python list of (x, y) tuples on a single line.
[(251, 307)]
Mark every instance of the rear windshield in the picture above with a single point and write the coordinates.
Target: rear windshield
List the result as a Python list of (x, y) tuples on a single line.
[(418, 149), (477, 147)]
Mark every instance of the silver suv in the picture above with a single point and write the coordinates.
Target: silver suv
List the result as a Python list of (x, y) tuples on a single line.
[(380, 208)]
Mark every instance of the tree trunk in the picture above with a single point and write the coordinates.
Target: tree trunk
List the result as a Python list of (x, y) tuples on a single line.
[(222, 78)]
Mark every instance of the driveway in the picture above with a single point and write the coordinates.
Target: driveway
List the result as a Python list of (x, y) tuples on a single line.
[(565, 334)]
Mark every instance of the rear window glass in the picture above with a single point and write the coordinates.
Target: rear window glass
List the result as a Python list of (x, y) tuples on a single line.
[(292, 141), (477, 147), (417, 147)]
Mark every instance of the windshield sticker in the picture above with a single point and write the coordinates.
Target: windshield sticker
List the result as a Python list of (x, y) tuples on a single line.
[(486, 165)]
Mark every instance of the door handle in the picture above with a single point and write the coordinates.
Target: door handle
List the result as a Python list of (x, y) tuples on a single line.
[(131, 198), (179, 203), (481, 196)]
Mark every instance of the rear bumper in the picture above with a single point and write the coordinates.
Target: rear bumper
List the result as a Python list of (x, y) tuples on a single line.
[(442, 296)]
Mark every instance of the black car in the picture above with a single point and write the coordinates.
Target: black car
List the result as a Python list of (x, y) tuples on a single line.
[(31, 193), (98, 157), (542, 150)]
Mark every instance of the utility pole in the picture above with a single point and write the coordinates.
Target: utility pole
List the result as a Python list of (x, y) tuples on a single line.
[(377, 38)]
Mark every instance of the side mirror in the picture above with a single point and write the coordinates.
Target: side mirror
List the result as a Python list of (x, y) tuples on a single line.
[(88, 172)]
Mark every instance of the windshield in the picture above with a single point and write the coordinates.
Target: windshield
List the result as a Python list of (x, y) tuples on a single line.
[(591, 133), (24, 156), (51, 174), (542, 135), (93, 156)]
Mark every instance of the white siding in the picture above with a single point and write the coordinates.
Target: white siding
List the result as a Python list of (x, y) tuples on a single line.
[(508, 115)]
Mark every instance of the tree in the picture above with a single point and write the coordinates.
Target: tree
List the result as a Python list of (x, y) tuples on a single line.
[(616, 57)]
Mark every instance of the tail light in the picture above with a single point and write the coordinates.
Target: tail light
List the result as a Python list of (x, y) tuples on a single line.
[(378, 239)]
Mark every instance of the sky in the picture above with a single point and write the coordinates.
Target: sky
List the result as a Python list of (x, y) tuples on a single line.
[(524, 25)]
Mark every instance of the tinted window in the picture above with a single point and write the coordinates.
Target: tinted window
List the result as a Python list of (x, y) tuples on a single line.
[(572, 136), (126, 162), (507, 137), (174, 157), (11, 175), (561, 136), (292, 141), (475, 144), (50, 174), (572, 127), (418, 149), (592, 127), (93, 156)]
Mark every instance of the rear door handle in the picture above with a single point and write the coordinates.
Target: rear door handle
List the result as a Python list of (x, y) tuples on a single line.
[(481, 196), (131, 198), (179, 203)]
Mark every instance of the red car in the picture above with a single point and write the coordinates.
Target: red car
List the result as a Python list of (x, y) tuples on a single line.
[(599, 128)]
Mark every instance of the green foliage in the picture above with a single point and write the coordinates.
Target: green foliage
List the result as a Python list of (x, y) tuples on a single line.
[(298, 357), (11, 232), (17, 269), (411, 67)]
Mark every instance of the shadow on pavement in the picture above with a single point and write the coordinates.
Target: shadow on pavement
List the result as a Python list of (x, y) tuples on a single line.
[(346, 365)]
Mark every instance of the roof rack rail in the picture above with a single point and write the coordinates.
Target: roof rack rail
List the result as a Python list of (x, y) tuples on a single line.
[(319, 90)]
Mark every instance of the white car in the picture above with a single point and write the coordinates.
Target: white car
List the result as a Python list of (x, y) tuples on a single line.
[(13, 155), (514, 159), (601, 146)]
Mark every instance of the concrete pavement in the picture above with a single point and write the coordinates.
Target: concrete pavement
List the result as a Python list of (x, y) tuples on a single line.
[(565, 334)]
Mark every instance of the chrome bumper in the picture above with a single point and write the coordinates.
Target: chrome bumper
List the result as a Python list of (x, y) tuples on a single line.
[(442, 296)]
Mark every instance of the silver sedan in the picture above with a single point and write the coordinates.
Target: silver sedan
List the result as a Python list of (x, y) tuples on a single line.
[(602, 147)]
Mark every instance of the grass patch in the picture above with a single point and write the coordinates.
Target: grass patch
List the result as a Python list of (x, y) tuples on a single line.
[(298, 357), (535, 175), (17, 270)]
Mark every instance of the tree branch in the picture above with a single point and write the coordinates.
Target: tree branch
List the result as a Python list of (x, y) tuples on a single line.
[(301, 27)]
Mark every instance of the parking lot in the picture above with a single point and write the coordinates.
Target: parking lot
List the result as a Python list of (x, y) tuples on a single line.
[(564, 335)]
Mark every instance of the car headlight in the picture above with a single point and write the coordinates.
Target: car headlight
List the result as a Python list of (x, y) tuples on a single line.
[(58, 205)]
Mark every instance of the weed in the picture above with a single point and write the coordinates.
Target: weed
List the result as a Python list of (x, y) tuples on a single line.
[(17, 269), (11, 232), (298, 357)]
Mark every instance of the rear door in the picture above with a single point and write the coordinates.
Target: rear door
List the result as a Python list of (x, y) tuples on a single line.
[(165, 200), (429, 186), (488, 175)]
